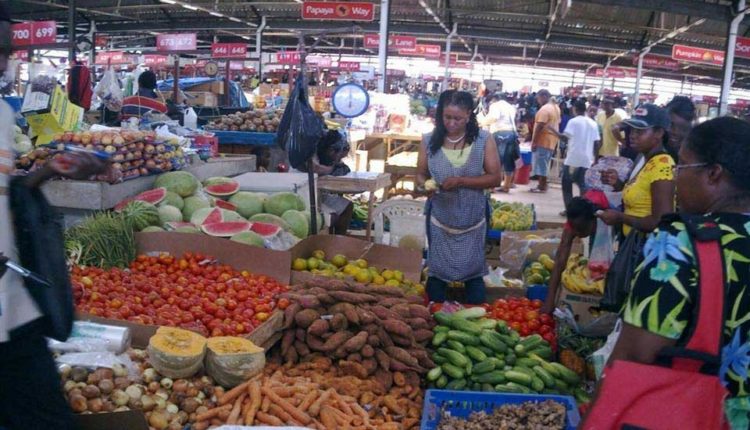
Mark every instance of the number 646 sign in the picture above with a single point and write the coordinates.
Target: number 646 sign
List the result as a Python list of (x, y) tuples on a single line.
[(33, 33)]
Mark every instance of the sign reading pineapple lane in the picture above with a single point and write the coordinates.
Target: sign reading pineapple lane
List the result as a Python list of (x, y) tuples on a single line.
[(341, 11)]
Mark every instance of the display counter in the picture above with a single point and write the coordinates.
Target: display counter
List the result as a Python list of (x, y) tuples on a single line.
[(356, 183)]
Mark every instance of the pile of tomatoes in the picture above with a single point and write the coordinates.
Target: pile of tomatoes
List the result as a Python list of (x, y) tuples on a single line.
[(193, 292), (523, 316)]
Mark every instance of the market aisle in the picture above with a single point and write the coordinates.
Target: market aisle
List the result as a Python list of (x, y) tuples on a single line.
[(548, 206)]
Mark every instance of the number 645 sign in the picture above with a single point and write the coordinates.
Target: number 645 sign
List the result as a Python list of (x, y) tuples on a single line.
[(33, 33)]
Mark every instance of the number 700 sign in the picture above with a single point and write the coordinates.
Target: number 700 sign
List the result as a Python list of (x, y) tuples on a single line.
[(33, 33)]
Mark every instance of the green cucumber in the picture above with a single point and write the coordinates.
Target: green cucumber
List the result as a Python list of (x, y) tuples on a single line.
[(463, 337), (466, 326), (440, 328), (439, 359), (475, 386), (549, 380), (468, 313), (469, 368), (581, 395), (517, 377), (508, 340), (434, 374), (552, 370), (537, 384), (531, 342), (484, 367), (442, 381), (454, 372), (443, 318), (439, 338), (455, 345), (566, 374), (475, 353), (519, 349), (487, 387), (487, 324), (491, 340), (488, 351), (561, 385), (456, 384), (524, 371), (455, 357), (505, 388), (499, 362), (524, 389), (544, 352), (510, 358), (493, 377), (526, 362)]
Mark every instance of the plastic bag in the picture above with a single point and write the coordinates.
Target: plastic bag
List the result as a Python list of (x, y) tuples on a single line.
[(495, 279), (602, 251), (108, 90), (622, 165), (281, 241), (93, 360), (300, 128), (600, 357), (598, 327)]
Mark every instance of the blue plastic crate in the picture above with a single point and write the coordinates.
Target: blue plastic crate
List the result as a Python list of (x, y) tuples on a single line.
[(494, 235), (463, 403), (245, 138), (537, 292)]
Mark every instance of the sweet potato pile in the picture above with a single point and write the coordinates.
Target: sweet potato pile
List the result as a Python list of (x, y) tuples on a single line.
[(369, 330), (310, 394)]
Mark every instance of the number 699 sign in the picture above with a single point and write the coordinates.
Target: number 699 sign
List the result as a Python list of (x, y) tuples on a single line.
[(33, 33)]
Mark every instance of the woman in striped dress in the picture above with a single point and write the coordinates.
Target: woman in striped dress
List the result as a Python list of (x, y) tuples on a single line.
[(463, 161)]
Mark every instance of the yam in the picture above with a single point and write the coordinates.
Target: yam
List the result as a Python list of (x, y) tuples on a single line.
[(417, 300), (291, 356), (340, 307), (367, 351), (354, 298), (392, 301), (340, 352), (326, 299), (402, 355), (384, 360), (300, 334), (357, 342), (417, 323), (287, 340), (318, 327), (302, 348), (420, 311), (385, 378), (373, 340), (383, 313), (306, 317), (338, 339), (309, 301), (402, 310), (422, 335), (366, 317), (352, 316), (339, 322), (385, 338), (355, 357), (315, 343), (402, 341), (353, 369), (413, 380), (397, 327), (289, 314), (370, 365)]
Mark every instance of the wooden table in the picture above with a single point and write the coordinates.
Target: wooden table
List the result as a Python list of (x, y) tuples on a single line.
[(356, 183), (394, 142)]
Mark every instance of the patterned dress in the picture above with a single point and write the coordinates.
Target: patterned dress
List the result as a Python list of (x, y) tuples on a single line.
[(457, 220), (665, 286)]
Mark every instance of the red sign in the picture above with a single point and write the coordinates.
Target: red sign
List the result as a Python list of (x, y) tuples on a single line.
[(349, 66), (336, 10), (693, 54), (33, 33), (742, 102), (319, 61), (372, 40), (613, 72), (395, 72), (236, 65), (289, 57), (420, 50), (228, 50), (112, 58), (742, 47), (651, 61), (176, 42), (22, 55), (154, 60)]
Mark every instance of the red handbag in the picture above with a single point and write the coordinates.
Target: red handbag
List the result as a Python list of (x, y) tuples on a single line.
[(689, 394)]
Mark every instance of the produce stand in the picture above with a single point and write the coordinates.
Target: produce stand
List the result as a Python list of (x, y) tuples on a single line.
[(356, 183), (393, 143), (76, 198)]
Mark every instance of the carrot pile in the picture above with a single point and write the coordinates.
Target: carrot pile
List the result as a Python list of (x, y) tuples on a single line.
[(311, 395)]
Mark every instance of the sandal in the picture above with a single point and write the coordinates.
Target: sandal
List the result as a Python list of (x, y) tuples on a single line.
[(537, 191)]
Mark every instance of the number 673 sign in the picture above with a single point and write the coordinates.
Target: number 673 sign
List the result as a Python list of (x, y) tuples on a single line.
[(33, 33)]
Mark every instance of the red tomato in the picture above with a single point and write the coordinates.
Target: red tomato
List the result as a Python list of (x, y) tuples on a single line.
[(533, 325), (515, 325), (283, 303), (546, 319), (544, 328), (549, 337), (532, 315), (524, 330), (536, 303)]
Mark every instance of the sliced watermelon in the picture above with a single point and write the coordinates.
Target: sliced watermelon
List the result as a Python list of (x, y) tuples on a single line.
[(265, 229), (174, 225), (225, 205), (154, 197), (223, 190), (207, 216), (225, 228)]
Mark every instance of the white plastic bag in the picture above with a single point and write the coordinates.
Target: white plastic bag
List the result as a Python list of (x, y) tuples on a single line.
[(602, 251), (108, 90), (600, 357)]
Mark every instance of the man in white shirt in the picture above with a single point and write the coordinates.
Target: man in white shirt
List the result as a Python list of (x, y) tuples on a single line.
[(501, 119), (30, 392), (582, 134)]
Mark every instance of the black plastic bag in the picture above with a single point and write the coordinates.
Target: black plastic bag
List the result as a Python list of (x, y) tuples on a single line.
[(620, 275), (40, 243), (300, 128)]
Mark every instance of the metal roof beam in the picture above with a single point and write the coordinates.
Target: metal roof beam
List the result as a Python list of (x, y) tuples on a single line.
[(694, 8)]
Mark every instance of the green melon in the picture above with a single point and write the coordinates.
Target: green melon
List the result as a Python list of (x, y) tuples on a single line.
[(271, 219), (279, 203), (152, 229), (248, 238), (321, 220), (192, 204), (248, 204), (298, 221), (187, 229), (169, 214), (217, 180), (182, 183), (206, 215), (173, 199), (141, 214)]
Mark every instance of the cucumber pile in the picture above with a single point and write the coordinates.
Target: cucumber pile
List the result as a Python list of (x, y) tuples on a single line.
[(482, 354)]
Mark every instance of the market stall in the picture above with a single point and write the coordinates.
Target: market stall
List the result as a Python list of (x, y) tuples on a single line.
[(357, 183)]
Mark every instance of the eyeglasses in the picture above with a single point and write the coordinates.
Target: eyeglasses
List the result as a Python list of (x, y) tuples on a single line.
[(677, 167)]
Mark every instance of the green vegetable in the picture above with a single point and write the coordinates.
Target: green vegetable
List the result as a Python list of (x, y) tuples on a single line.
[(524, 389), (468, 313), (442, 381), (455, 357), (456, 384), (519, 349), (493, 377), (518, 377), (549, 380), (510, 358), (566, 374), (469, 368), (491, 340), (527, 362), (487, 387), (499, 363), (484, 367), (581, 395), (443, 319), (524, 371), (466, 326), (505, 388), (543, 351), (475, 353), (552, 370), (464, 338), (440, 328), (532, 341), (104, 240), (487, 324), (488, 351), (434, 374), (439, 338), (453, 371), (455, 345), (439, 359), (537, 384)]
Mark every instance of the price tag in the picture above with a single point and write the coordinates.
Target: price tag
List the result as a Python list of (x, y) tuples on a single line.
[(44, 32), (21, 34), (176, 42), (228, 50)]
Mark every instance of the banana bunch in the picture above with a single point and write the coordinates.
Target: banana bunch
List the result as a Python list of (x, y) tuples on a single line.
[(577, 278)]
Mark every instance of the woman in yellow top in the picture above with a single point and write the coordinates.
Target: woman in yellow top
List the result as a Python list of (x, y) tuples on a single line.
[(649, 193)]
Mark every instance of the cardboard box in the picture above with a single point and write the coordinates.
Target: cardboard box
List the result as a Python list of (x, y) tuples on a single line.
[(585, 307), (516, 250), (216, 87), (49, 115), (205, 99), (381, 256)]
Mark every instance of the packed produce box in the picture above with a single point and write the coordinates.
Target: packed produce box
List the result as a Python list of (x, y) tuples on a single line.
[(511, 216), (252, 120)]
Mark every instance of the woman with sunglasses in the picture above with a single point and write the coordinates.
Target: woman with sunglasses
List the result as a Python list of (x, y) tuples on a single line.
[(712, 179), (463, 162)]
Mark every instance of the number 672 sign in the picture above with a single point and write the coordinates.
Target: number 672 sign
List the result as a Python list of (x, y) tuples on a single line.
[(33, 33)]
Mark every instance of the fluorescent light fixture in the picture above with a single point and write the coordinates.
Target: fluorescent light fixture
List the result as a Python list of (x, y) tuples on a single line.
[(215, 13), (231, 18), (191, 7), (246, 37), (169, 1)]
